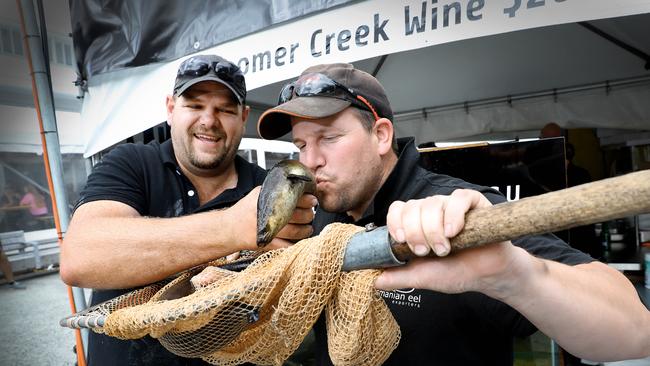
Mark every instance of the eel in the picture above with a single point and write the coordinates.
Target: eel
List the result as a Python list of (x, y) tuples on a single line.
[(283, 186)]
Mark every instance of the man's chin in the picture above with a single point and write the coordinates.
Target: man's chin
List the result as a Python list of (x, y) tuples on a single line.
[(330, 205), (208, 163)]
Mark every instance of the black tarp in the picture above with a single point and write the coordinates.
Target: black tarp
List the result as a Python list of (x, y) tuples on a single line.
[(114, 34)]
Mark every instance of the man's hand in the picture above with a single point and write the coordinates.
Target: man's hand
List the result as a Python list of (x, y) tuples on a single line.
[(427, 225), (299, 226), (110, 245), (583, 307), (243, 222)]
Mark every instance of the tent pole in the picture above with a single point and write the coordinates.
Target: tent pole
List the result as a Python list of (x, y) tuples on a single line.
[(524, 96), (382, 59), (44, 104), (629, 48)]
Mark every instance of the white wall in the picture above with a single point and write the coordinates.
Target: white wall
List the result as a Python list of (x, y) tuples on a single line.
[(19, 129)]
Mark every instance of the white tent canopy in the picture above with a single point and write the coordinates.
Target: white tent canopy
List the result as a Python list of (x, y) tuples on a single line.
[(479, 53)]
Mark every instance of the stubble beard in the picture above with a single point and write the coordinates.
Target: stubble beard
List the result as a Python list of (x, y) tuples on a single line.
[(337, 202), (213, 162), (351, 196), (224, 155)]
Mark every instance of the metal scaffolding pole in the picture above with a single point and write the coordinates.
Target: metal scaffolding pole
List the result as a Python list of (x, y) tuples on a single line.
[(44, 104)]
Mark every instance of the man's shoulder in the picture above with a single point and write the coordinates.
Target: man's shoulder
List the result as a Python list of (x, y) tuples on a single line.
[(149, 150), (128, 174), (128, 161), (134, 155)]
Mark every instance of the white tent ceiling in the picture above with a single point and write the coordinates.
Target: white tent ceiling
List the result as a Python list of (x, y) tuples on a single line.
[(514, 63)]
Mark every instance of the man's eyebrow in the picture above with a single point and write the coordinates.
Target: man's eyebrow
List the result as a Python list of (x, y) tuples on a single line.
[(229, 104), (195, 97), (328, 130), (191, 96)]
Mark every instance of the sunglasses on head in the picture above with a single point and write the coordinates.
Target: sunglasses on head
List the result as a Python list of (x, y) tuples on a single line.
[(199, 66), (316, 84)]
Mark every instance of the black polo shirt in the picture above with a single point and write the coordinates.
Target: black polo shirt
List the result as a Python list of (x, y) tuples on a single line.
[(148, 178), (437, 328)]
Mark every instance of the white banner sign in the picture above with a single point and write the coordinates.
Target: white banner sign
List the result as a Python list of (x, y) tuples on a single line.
[(375, 28), (121, 104)]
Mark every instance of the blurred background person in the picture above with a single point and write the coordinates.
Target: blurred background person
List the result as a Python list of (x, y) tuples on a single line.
[(37, 206), (551, 129)]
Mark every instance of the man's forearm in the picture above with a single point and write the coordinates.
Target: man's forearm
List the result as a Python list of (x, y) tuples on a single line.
[(590, 310), (119, 252)]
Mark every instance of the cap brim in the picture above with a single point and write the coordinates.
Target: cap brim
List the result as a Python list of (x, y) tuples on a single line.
[(276, 122), (208, 77)]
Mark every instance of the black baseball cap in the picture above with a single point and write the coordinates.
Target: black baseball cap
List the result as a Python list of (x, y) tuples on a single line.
[(276, 122), (210, 68)]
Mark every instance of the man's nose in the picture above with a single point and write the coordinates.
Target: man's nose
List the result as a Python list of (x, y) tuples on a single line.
[(210, 118), (312, 159)]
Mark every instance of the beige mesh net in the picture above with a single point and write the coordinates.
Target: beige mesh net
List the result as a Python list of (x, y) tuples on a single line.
[(262, 314)]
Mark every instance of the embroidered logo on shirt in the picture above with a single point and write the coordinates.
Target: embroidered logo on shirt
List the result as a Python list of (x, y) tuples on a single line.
[(404, 297)]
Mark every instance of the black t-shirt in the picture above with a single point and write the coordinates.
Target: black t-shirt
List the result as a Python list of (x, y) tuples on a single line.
[(147, 178), (437, 328)]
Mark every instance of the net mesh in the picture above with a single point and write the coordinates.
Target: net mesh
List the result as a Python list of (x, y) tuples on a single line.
[(262, 314)]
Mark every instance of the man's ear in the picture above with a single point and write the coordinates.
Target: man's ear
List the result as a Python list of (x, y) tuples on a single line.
[(384, 131), (245, 111), (169, 104)]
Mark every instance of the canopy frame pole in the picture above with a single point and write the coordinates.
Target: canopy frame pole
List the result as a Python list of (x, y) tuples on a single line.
[(44, 104), (629, 48)]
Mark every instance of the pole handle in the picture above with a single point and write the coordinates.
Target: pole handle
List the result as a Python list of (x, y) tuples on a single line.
[(585, 204)]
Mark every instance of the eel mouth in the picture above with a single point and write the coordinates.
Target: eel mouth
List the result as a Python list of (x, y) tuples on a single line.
[(285, 183)]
